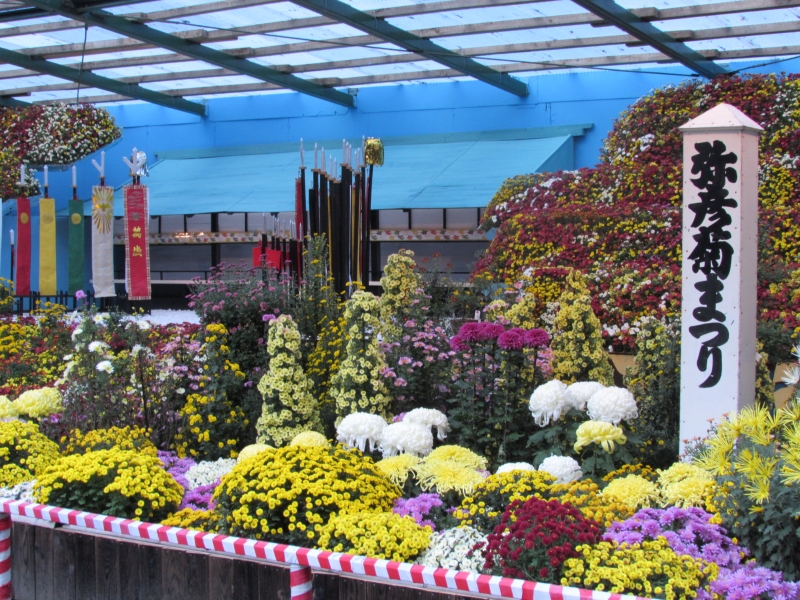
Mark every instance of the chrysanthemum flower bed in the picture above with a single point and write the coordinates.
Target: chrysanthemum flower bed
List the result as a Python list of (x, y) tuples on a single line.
[(398, 428)]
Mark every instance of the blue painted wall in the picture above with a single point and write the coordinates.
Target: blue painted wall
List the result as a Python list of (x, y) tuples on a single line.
[(560, 99)]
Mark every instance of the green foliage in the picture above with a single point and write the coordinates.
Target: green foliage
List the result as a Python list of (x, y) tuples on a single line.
[(655, 382), (289, 407), (316, 303), (578, 349)]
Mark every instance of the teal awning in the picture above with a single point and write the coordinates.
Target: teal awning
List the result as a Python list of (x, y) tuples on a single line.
[(460, 170)]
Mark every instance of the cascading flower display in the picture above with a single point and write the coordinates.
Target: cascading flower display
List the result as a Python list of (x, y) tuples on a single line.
[(287, 495), (24, 452), (379, 535), (121, 483)]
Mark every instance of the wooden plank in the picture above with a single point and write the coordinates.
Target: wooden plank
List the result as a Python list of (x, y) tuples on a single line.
[(220, 578), (245, 580), (326, 587), (85, 584), (173, 574), (149, 572), (129, 585), (43, 554), (273, 583), (64, 561), (197, 576), (23, 561), (352, 589), (107, 569)]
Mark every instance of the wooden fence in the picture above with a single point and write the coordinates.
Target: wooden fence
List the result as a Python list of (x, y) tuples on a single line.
[(60, 563)]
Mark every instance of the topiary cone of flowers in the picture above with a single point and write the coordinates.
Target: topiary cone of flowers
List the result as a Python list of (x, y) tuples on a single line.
[(358, 385), (578, 351), (289, 407)]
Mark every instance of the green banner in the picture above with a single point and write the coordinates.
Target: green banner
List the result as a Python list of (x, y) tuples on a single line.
[(75, 246)]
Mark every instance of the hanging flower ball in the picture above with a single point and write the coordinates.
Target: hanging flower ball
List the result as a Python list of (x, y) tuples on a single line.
[(252, 450), (357, 429), (310, 438), (430, 417), (564, 468), (612, 405), (411, 438), (517, 466), (549, 401), (583, 390)]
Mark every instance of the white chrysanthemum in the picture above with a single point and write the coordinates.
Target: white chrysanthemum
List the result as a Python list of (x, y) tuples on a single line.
[(105, 365), (520, 466), (357, 429), (564, 468), (549, 401), (451, 549), (612, 405), (143, 325), (76, 333), (431, 418), (100, 318), (581, 391), (208, 472), (97, 346), (409, 438)]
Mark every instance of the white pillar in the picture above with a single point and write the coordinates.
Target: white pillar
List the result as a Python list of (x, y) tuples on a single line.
[(720, 243)]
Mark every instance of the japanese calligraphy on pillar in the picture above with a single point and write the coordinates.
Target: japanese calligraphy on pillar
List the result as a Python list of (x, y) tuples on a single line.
[(720, 235), (712, 253), (137, 250)]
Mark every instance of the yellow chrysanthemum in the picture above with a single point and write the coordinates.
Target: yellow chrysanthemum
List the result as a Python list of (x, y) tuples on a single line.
[(397, 468), (310, 438), (599, 432), (633, 491)]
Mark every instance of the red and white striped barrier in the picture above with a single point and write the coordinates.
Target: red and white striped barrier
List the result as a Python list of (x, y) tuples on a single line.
[(301, 561), (5, 557)]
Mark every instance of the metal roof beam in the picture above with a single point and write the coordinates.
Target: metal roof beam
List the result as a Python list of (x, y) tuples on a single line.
[(630, 23), (703, 34), (90, 79), (344, 13), (224, 5), (9, 102), (497, 26), (196, 51), (23, 13), (600, 61)]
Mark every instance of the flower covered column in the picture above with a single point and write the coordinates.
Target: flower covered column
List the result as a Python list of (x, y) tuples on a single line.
[(720, 241)]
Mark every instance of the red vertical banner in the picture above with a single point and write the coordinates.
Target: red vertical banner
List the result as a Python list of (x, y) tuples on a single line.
[(22, 281), (137, 242)]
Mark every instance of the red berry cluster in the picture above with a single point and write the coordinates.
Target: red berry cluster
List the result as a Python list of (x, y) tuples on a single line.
[(535, 537)]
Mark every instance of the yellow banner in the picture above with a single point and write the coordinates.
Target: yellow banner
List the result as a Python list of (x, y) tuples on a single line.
[(47, 247)]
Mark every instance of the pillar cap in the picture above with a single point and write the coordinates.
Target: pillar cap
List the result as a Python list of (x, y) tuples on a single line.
[(722, 116)]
